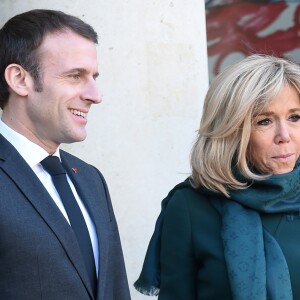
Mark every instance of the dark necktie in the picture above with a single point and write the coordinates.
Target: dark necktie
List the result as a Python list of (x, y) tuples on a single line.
[(54, 167)]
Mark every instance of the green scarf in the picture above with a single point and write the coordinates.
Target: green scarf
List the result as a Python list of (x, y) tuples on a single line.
[(256, 266)]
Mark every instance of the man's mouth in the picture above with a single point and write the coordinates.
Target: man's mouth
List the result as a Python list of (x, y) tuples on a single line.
[(78, 113)]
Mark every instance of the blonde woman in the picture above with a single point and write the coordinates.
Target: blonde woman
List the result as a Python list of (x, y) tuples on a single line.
[(232, 229)]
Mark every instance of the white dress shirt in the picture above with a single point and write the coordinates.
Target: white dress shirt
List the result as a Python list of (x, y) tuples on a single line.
[(33, 155)]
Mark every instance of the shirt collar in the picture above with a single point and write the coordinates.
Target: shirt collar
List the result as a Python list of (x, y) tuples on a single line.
[(31, 152)]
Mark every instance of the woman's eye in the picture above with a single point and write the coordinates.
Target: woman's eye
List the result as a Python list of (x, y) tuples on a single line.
[(294, 118), (264, 122)]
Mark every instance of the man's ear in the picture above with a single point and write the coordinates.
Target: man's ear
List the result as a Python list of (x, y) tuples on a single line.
[(18, 79)]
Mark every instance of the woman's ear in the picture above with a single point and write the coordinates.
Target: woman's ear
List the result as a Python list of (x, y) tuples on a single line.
[(17, 79)]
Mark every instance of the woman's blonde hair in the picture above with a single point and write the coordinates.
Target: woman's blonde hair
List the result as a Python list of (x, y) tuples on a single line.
[(233, 99)]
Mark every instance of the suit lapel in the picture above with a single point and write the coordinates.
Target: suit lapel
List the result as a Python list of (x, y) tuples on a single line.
[(94, 198), (25, 179)]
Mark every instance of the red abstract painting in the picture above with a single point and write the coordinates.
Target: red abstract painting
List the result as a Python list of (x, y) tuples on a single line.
[(238, 28)]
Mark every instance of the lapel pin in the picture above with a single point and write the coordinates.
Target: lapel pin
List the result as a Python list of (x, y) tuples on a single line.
[(74, 170)]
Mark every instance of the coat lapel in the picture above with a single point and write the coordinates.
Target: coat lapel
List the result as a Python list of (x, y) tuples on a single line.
[(94, 198), (25, 179)]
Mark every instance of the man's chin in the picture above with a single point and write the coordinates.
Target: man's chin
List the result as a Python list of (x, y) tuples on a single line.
[(75, 139)]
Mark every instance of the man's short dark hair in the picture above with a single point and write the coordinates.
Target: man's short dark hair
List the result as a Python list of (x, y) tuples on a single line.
[(21, 36)]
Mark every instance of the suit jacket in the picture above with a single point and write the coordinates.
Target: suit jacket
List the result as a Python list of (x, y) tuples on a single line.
[(39, 254)]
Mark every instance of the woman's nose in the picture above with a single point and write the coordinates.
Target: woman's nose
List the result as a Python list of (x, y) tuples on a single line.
[(282, 134)]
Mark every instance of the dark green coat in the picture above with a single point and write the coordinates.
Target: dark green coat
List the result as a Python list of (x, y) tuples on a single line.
[(192, 259)]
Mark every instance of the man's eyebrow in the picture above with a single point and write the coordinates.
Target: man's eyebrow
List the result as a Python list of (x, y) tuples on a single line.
[(81, 70)]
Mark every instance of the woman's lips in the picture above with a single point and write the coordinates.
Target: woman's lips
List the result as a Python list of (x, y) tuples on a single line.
[(283, 156)]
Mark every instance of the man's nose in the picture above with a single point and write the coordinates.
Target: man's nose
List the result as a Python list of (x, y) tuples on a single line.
[(92, 93)]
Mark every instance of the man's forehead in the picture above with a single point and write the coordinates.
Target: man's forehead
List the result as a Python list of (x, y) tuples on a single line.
[(64, 37)]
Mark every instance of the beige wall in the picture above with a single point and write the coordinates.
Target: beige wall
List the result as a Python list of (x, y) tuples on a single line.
[(153, 76)]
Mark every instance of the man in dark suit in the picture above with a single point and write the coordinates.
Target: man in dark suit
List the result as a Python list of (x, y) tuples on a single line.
[(48, 66)]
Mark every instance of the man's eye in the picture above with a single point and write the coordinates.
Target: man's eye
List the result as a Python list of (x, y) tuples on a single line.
[(294, 118), (75, 76), (264, 122)]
